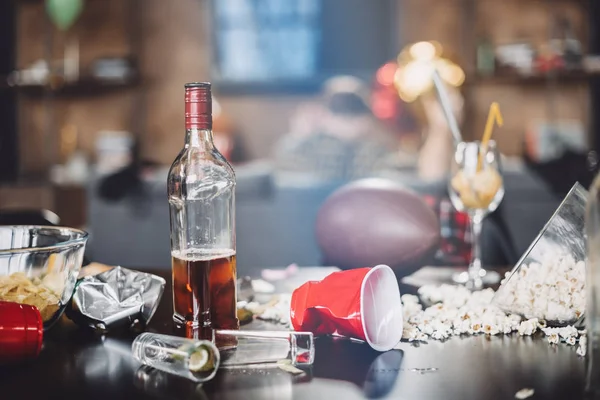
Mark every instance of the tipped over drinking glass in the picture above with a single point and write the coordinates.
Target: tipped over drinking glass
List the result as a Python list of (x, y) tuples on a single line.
[(477, 189)]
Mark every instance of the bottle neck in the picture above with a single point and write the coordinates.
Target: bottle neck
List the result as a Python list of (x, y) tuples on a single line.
[(200, 138)]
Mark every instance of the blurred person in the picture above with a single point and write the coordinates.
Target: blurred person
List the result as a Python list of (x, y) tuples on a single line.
[(436, 153), (337, 137)]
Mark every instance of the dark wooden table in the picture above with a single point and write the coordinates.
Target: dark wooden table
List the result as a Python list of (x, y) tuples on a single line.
[(80, 365)]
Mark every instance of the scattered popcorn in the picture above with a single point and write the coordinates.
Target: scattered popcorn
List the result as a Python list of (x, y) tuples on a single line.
[(524, 393), (514, 320), (506, 329), (475, 328), (409, 332), (411, 307), (277, 310), (410, 298), (439, 335), (564, 333), (551, 290), (553, 338), (529, 327), (568, 332), (457, 311), (490, 329), (542, 323)]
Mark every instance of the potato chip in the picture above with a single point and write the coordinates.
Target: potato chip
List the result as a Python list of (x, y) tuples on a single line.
[(18, 288), (8, 288)]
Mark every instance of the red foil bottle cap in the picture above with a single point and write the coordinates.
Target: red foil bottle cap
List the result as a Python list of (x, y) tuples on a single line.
[(21, 331), (198, 105)]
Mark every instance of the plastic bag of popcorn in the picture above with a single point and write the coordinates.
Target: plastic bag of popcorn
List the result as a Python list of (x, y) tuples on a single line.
[(548, 282)]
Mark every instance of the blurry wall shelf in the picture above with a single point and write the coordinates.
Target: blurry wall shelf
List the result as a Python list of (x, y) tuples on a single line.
[(26, 196), (474, 33), (86, 86), (581, 3), (536, 79), (29, 1), (67, 201), (105, 75)]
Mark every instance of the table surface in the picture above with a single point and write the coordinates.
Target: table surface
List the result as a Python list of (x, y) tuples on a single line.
[(75, 363)]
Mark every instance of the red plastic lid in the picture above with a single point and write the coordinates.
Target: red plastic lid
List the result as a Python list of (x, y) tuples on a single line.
[(21, 331)]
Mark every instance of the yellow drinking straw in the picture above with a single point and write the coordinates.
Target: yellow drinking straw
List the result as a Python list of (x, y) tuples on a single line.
[(493, 115)]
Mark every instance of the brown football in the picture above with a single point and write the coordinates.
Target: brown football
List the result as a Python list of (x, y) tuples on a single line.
[(377, 221)]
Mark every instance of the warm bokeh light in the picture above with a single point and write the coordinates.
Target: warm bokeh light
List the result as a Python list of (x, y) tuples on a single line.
[(383, 108), (414, 79), (450, 72), (416, 64), (385, 74), (424, 51)]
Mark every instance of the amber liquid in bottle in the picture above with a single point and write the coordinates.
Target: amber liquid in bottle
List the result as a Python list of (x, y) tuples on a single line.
[(201, 188), (205, 283)]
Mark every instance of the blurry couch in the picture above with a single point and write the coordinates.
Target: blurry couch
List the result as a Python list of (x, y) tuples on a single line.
[(276, 215)]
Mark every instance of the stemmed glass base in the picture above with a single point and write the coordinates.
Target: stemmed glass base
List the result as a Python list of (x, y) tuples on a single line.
[(475, 277)]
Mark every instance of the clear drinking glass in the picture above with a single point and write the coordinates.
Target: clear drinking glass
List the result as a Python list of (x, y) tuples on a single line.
[(197, 360), (260, 347), (476, 188)]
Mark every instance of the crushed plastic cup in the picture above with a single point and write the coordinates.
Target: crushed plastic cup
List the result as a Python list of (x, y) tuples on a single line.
[(548, 281), (361, 303)]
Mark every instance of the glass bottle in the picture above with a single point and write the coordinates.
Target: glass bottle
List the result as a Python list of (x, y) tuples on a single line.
[(592, 288), (201, 191)]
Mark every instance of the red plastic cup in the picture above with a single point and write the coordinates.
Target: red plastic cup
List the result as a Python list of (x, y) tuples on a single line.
[(21, 331), (361, 303)]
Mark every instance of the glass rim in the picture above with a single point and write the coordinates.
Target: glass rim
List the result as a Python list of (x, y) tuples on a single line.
[(491, 147), (81, 238), (490, 143)]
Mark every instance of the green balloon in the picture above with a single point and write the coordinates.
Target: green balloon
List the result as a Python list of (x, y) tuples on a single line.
[(64, 13)]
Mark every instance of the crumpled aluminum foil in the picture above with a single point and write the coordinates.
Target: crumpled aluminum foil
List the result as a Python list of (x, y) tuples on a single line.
[(116, 298)]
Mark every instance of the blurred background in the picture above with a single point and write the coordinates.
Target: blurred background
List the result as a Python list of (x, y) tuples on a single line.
[(309, 96)]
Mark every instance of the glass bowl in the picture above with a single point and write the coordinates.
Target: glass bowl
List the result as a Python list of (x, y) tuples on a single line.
[(39, 266), (548, 281)]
